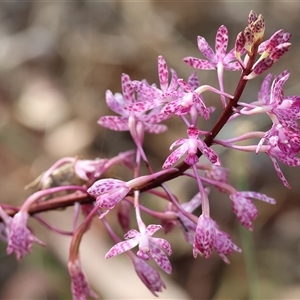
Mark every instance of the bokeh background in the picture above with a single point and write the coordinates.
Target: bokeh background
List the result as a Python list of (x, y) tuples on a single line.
[(57, 59)]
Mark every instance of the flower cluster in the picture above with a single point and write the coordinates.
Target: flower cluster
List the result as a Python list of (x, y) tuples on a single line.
[(141, 108)]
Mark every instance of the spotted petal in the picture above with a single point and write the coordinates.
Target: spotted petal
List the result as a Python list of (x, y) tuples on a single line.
[(205, 49), (175, 156), (221, 42), (114, 123), (151, 229), (122, 247), (148, 275), (163, 73), (160, 258), (105, 185), (127, 88), (198, 63), (162, 243)]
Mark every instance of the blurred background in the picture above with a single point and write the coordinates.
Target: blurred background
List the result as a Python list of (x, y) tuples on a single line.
[(57, 59)]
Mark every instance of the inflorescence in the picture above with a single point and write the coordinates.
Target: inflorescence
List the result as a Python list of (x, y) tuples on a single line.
[(140, 108)]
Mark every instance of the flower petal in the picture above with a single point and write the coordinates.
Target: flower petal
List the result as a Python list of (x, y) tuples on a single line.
[(114, 123), (20, 238), (198, 63), (110, 200), (193, 81), (205, 49), (148, 275), (204, 236), (80, 287), (173, 84), (163, 73), (122, 247), (244, 209), (127, 88), (221, 42), (155, 128), (105, 185), (162, 243), (151, 229), (160, 258), (131, 234), (115, 102), (224, 245), (175, 156)]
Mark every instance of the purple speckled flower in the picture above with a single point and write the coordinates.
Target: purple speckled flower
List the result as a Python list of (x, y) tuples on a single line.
[(20, 238), (275, 46), (284, 145), (149, 247), (216, 173), (186, 98), (109, 193), (281, 109), (224, 244), (204, 236), (219, 59), (190, 147), (243, 207), (89, 169), (131, 111), (208, 236), (271, 50), (79, 285), (148, 275)]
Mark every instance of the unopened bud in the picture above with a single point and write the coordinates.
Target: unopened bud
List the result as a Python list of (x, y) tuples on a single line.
[(254, 32)]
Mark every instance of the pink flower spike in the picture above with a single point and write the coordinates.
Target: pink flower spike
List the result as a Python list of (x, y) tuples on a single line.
[(79, 286), (149, 247), (20, 238), (244, 209), (148, 275), (204, 236)]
